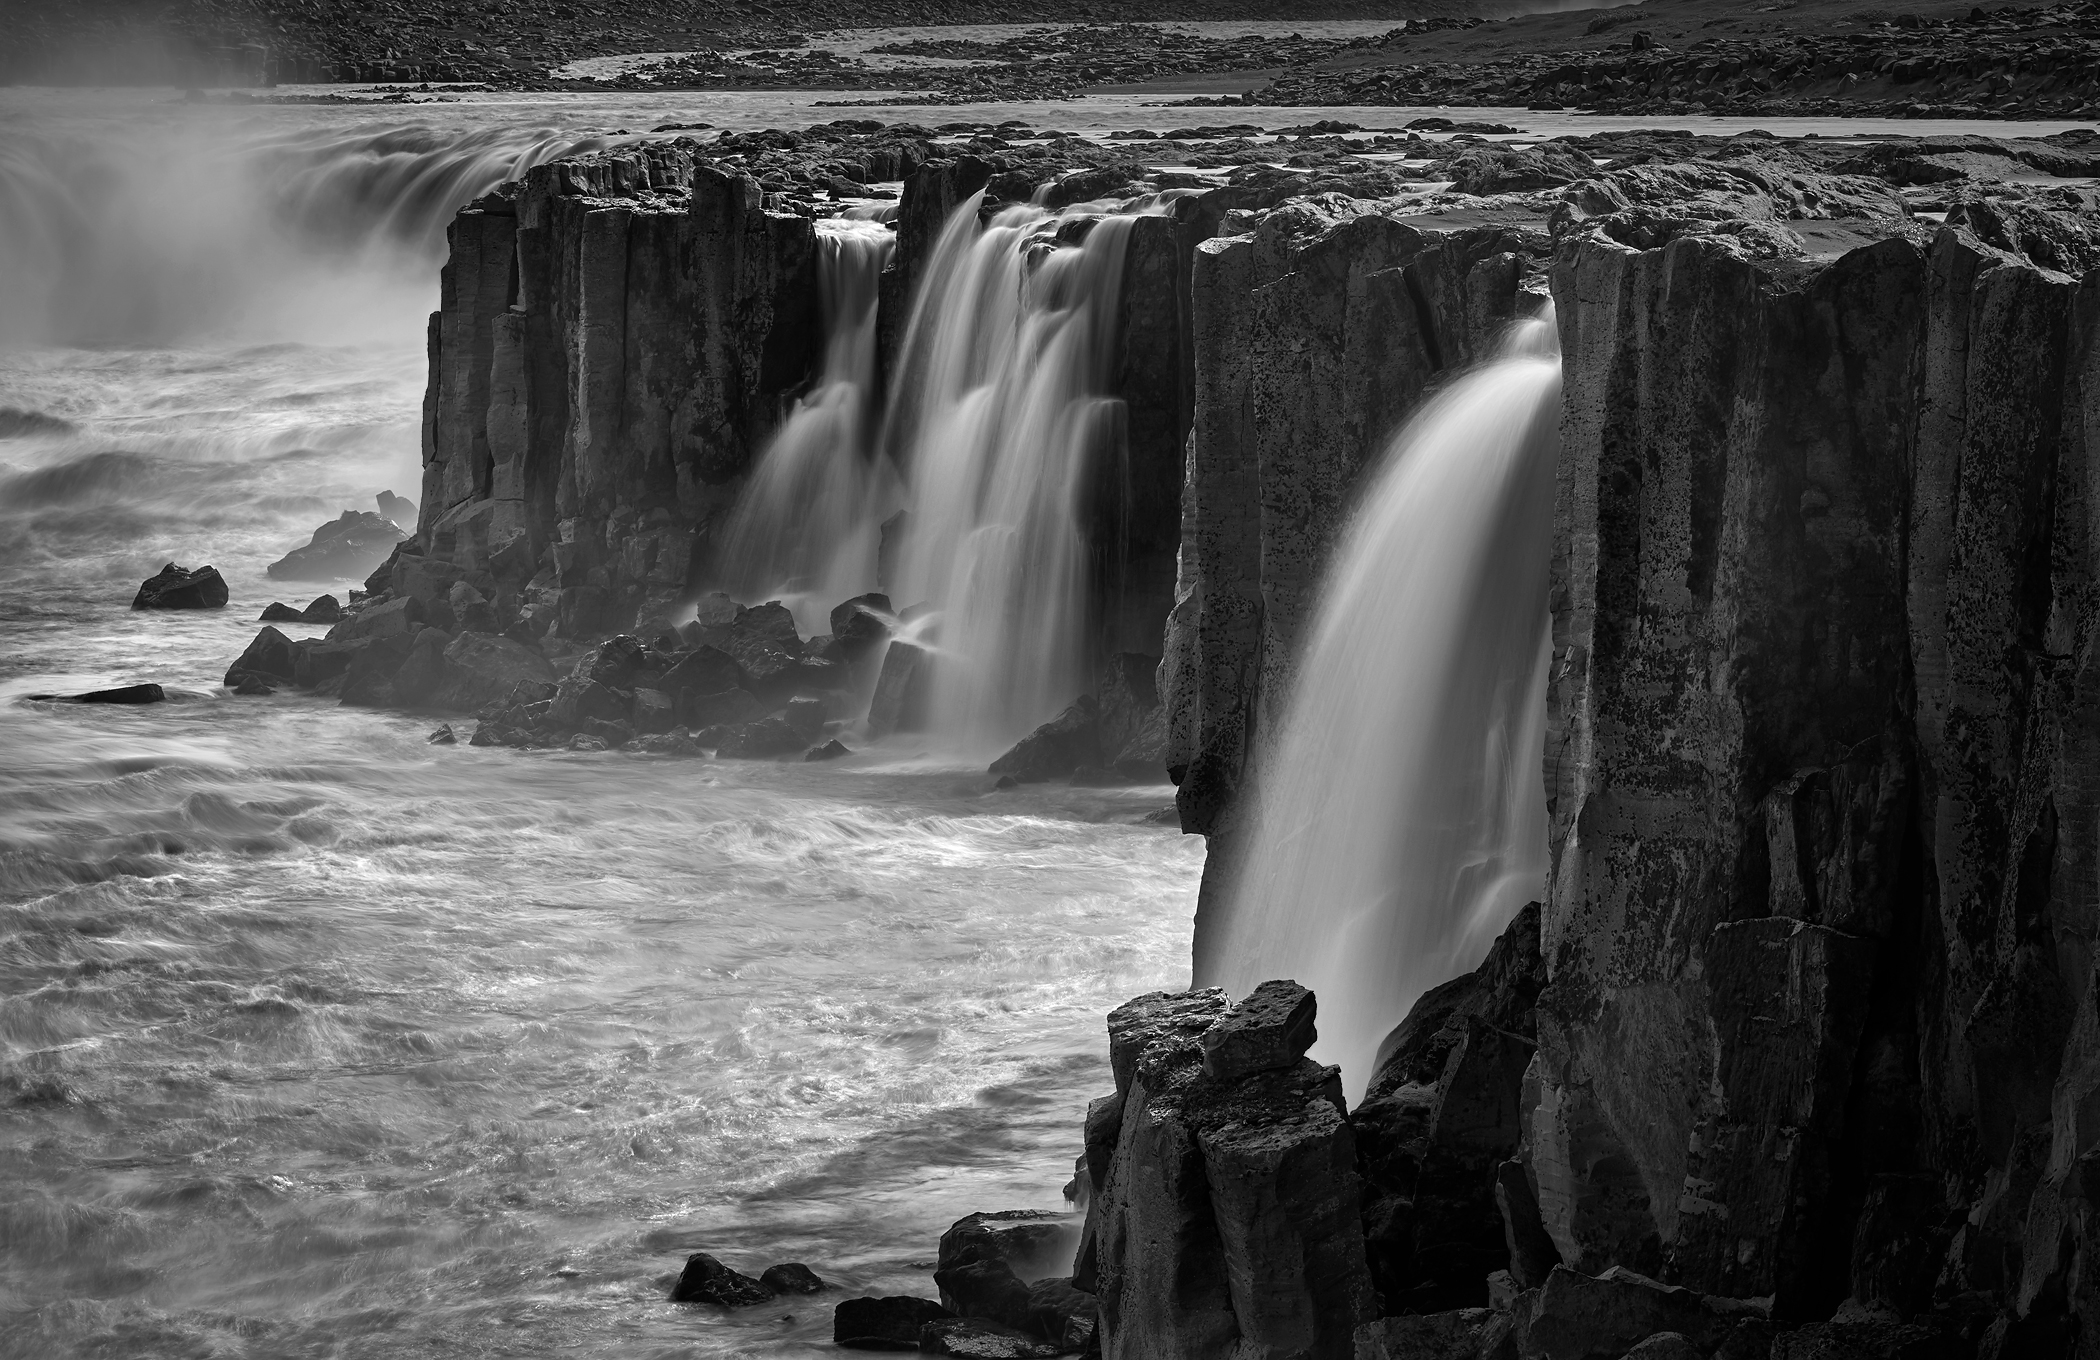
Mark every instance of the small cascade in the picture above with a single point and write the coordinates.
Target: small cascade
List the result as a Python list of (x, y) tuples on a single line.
[(1400, 813), (808, 525), (998, 412)]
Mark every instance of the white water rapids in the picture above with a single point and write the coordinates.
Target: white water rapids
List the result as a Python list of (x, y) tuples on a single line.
[(1401, 813), (319, 1040)]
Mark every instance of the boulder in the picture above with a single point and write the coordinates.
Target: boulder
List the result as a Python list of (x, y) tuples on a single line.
[(791, 1277), (389, 618), (322, 609), (983, 1339), (1057, 748), (704, 670), (677, 742), (1666, 1346), (443, 736), (319, 663), (173, 587), (485, 668), (653, 711), (578, 700), (271, 655), (276, 612), (707, 1280), (345, 548), (1506, 170), (984, 1289), (613, 662), (1165, 1021), (368, 681), (1143, 758), (420, 681), (727, 708), (830, 750), (611, 734), (859, 627), (1271, 1028), (884, 1324)]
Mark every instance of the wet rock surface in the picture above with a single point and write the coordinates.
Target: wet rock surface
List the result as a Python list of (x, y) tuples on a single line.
[(174, 587)]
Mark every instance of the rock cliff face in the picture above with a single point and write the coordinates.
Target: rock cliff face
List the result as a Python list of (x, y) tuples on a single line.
[(1314, 335), (617, 339), (1819, 932), (1818, 1023)]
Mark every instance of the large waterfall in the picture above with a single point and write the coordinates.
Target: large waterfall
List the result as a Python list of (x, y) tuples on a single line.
[(1400, 817), (177, 230), (807, 529), (1000, 409)]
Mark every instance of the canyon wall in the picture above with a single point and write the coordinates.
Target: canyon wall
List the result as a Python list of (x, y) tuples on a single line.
[(1820, 1014), (1819, 1023)]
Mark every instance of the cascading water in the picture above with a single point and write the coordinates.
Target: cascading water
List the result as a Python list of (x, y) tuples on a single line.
[(1400, 810), (171, 232), (998, 412), (808, 526)]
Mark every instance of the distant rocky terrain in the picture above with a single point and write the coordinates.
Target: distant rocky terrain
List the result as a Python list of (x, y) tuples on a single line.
[(1936, 59)]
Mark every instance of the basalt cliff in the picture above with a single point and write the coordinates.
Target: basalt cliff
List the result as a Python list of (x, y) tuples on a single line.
[(1797, 1056)]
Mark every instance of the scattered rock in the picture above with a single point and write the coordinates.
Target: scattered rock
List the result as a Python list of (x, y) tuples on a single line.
[(830, 750), (389, 618), (271, 656), (884, 1324), (275, 612), (707, 1280), (174, 588), (1271, 1028), (791, 1277), (443, 736)]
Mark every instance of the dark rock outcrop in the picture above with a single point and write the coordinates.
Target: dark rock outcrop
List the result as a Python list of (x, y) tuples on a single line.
[(1226, 1214), (707, 1280), (174, 587), (342, 549), (122, 694)]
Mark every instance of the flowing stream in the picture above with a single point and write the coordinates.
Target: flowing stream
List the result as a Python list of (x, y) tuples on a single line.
[(1401, 816), (318, 1040)]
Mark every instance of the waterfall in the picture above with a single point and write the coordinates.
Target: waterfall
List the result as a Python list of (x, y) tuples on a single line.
[(999, 412), (807, 527), (156, 235), (1399, 817)]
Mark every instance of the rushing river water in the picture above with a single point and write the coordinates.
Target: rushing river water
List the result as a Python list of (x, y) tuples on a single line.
[(317, 1040)]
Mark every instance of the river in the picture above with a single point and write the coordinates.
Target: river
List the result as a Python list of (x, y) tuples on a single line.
[(319, 1040)]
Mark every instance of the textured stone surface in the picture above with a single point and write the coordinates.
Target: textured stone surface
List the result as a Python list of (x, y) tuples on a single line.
[(1271, 1027), (883, 1324), (174, 587)]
